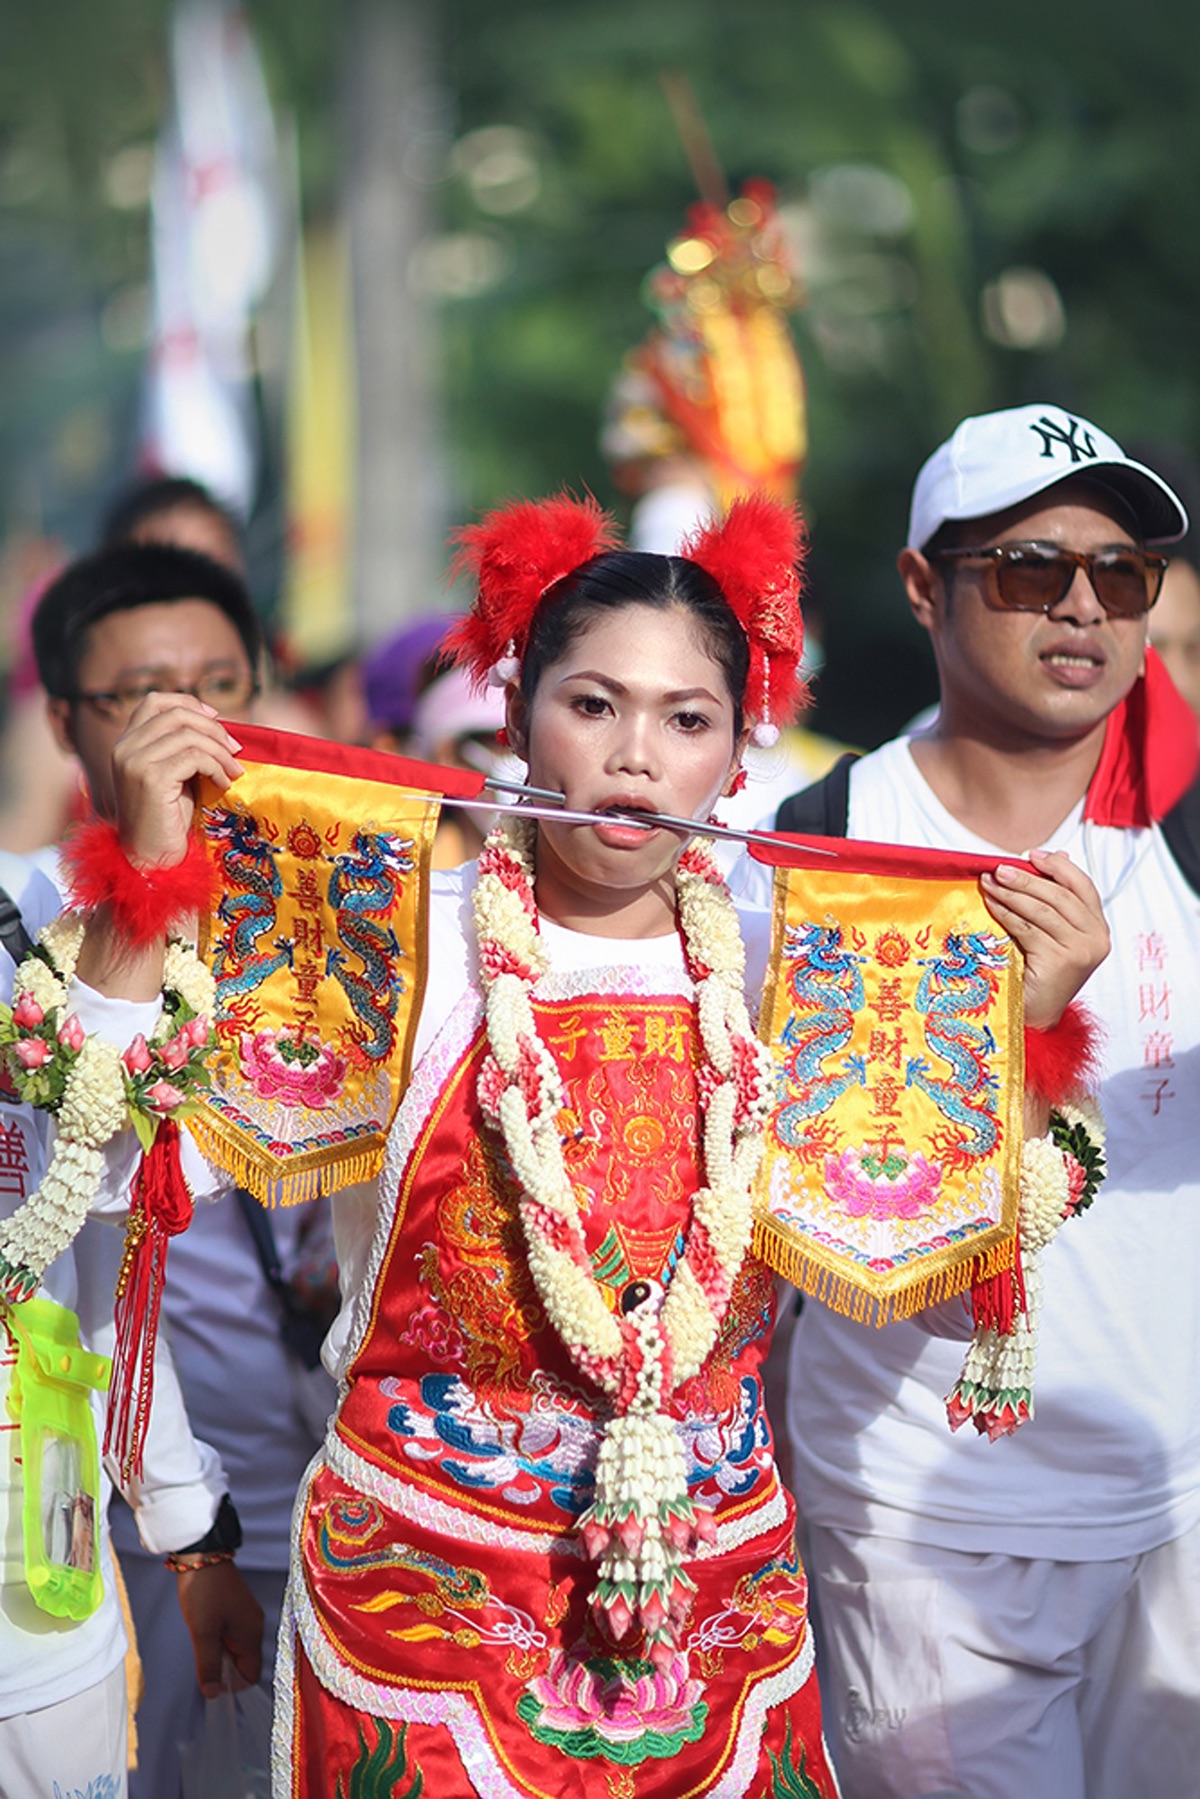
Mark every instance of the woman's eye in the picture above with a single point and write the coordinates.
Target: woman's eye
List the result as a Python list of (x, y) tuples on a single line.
[(691, 721), (593, 705)]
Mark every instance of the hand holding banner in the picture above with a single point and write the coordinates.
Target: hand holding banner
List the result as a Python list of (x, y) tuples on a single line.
[(317, 946)]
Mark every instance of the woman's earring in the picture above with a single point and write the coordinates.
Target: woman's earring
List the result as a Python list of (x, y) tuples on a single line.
[(502, 736), (738, 783)]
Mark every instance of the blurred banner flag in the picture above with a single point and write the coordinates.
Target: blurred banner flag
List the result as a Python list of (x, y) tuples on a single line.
[(894, 1015), (317, 612), (317, 945), (214, 238)]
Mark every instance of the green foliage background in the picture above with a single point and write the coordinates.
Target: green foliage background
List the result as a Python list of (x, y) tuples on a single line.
[(1065, 138)]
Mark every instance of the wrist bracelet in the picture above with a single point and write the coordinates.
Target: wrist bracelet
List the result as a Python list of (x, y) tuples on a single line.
[(180, 1562), (142, 902)]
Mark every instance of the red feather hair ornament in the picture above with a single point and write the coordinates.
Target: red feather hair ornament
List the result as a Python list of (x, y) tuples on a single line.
[(755, 555), (515, 554)]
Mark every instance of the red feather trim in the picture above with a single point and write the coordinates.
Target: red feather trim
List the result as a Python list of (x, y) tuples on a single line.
[(1062, 1063), (755, 556), (515, 554), (143, 902)]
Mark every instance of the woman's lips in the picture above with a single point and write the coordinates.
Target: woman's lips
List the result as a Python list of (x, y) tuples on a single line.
[(616, 832)]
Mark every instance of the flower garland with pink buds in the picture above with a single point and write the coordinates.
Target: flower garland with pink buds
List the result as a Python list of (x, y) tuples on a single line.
[(642, 1524), (1060, 1176), (89, 1088)]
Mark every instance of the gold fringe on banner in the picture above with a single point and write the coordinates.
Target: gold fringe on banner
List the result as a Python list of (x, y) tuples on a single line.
[(301, 1178), (822, 1281)]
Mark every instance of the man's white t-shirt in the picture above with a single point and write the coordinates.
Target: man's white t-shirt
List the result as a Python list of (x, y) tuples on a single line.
[(1110, 1465)]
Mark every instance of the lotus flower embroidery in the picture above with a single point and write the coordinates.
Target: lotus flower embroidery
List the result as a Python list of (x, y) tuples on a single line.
[(626, 1711), (292, 1070), (891, 1185)]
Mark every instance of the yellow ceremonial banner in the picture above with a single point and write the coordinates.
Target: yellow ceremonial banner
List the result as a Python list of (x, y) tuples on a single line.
[(317, 945), (894, 1015)]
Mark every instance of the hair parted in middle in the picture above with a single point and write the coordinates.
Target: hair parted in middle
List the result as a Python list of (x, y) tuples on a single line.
[(531, 552)]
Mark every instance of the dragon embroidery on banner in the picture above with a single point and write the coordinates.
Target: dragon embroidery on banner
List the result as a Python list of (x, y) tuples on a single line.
[(826, 986), (249, 906), (363, 886), (959, 984)]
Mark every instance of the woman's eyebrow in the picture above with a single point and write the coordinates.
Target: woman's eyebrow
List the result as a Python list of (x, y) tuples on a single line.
[(612, 685)]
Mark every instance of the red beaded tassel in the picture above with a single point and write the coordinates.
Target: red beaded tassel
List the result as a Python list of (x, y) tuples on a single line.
[(161, 1208)]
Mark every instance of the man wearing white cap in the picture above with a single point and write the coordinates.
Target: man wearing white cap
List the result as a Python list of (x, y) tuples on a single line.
[(1023, 1618)]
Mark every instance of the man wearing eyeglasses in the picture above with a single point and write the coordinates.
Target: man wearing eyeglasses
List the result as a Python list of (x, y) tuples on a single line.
[(1024, 1617), (133, 620), (155, 618)]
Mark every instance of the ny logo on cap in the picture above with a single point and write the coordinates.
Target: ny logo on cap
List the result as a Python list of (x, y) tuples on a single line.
[(1052, 433)]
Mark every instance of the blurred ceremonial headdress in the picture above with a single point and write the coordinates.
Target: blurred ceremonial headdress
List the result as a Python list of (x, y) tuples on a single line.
[(718, 379)]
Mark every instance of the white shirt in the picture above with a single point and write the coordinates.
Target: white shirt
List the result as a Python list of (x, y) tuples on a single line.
[(1110, 1465), (221, 1325), (44, 1660)]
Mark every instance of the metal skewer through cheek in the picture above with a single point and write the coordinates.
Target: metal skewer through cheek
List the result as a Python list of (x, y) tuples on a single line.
[(665, 821)]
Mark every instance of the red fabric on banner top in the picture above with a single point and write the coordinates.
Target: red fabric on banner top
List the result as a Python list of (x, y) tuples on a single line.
[(899, 859), (291, 749)]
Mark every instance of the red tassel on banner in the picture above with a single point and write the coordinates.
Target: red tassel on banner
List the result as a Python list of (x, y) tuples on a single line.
[(162, 1207), (995, 1302)]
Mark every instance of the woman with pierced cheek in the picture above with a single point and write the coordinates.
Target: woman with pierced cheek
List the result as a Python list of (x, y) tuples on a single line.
[(546, 1548)]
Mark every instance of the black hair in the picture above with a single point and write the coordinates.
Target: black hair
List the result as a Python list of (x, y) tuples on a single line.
[(119, 580), (1180, 472), (622, 578), (155, 494)]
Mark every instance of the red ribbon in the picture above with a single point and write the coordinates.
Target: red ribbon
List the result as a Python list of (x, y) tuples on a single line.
[(1150, 756)]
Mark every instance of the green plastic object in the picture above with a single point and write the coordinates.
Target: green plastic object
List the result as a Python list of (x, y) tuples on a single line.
[(49, 1399)]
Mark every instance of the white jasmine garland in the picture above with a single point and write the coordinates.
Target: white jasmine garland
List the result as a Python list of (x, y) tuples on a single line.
[(1045, 1192), (93, 1105), (995, 1388), (185, 974), (89, 1088), (642, 1522)]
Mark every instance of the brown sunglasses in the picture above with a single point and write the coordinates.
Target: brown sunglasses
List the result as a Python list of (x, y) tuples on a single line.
[(1030, 577)]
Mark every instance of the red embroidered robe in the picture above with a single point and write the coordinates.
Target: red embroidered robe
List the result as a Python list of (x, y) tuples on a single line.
[(437, 1623)]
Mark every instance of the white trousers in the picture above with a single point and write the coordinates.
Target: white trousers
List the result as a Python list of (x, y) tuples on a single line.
[(993, 1677), (77, 1747)]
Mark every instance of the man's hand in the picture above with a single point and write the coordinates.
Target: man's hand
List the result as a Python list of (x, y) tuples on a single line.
[(170, 740), (223, 1618), (1055, 918)]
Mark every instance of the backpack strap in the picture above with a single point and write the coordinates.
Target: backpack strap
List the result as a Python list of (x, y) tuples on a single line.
[(821, 810), (13, 935), (1181, 828), (302, 1329)]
